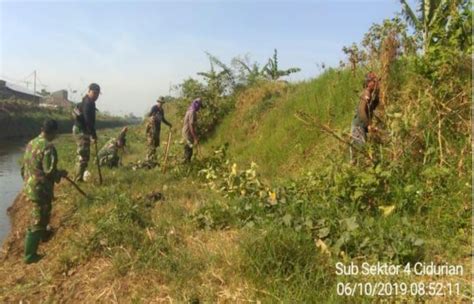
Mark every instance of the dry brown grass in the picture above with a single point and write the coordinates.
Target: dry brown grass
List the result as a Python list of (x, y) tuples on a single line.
[(95, 279), (249, 98), (388, 56)]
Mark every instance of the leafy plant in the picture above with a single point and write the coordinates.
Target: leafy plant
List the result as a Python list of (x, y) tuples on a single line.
[(249, 73), (340, 221), (218, 83), (355, 56), (221, 85), (272, 71), (434, 17)]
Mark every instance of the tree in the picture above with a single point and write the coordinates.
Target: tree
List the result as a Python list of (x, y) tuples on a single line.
[(355, 55), (272, 70), (438, 19), (227, 71), (249, 73), (446, 31), (393, 28), (191, 88), (44, 93), (429, 12), (219, 83)]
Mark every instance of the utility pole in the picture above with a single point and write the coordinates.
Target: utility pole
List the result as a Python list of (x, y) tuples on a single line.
[(34, 85)]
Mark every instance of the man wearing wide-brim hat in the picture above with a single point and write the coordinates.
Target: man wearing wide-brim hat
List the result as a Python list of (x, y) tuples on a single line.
[(153, 128)]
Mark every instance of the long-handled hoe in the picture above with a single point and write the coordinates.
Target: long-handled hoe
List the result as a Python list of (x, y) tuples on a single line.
[(166, 152), (77, 187), (98, 164)]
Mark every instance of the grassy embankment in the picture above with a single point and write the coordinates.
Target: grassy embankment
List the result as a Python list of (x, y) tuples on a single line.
[(270, 233), (23, 119)]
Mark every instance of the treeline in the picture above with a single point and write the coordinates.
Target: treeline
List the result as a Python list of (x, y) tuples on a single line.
[(23, 119), (219, 86)]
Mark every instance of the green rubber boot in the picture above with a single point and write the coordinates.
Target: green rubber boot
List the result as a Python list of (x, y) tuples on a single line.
[(32, 240)]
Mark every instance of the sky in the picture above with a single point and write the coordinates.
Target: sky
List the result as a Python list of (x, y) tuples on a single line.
[(137, 50)]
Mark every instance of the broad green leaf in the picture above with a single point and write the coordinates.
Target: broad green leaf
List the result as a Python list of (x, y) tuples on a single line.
[(323, 232), (387, 210), (357, 194), (351, 223), (418, 242), (287, 219)]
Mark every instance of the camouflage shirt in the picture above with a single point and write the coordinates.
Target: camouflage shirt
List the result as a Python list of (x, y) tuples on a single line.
[(39, 170), (109, 149), (159, 116)]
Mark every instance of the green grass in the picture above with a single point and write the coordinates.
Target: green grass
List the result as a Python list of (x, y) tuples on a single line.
[(276, 140), (243, 233), (268, 133)]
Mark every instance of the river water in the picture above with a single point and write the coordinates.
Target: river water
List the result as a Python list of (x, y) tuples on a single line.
[(10, 179)]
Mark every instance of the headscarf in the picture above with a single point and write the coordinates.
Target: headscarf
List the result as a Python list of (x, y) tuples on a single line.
[(369, 77), (195, 105)]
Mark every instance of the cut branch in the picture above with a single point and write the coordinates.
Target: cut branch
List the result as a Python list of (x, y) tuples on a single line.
[(311, 122)]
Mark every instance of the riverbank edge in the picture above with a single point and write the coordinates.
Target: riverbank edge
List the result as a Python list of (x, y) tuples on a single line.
[(19, 214), (11, 245), (16, 131)]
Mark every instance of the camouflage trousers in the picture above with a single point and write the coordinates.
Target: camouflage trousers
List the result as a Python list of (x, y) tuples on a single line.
[(83, 152), (40, 215), (109, 160), (153, 141)]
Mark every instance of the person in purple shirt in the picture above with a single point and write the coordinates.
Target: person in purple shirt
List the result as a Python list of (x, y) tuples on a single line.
[(189, 131)]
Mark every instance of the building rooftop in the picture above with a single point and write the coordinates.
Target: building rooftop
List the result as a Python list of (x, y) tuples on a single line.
[(20, 89)]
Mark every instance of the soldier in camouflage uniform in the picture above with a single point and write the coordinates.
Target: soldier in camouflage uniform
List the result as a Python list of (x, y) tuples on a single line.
[(39, 174), (189, 129), (84, 129), (153, 128), (108, 155), (361, 124)]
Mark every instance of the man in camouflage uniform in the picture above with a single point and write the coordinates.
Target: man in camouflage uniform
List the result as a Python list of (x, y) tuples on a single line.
[(361, 124), (153, 128), (39, 174), (189, 129), (84, 129), (108, 155)]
